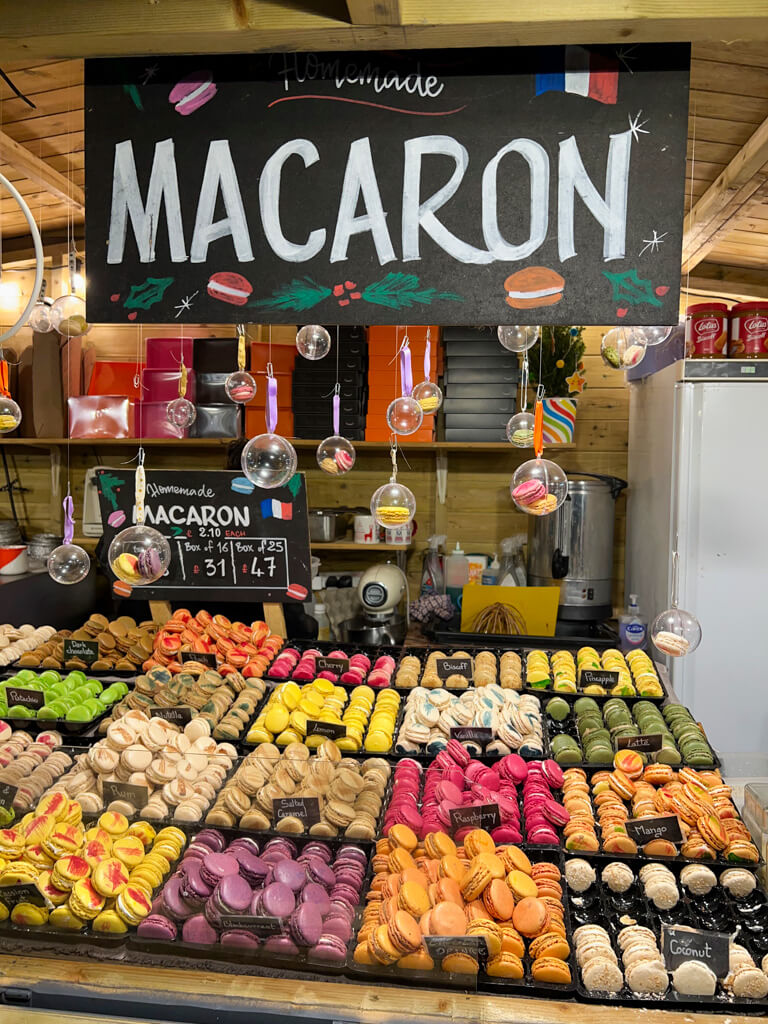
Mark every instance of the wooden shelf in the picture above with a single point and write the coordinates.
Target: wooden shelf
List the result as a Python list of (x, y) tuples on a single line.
[(299, 443), (350, 545)]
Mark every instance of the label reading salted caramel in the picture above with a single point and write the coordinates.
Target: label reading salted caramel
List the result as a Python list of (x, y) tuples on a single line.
[(25, 698), (82, 650), (643, 830), (133, 794), (681, 944), (305, 808), (478, 816)]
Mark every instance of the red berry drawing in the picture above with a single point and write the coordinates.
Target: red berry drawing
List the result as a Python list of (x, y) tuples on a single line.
[(115, 297), (349, 285), (662, 289), (338, 289), (133, 315), (622, 311)]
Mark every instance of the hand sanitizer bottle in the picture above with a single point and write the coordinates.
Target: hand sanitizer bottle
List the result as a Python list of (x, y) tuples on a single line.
[(633, 627)]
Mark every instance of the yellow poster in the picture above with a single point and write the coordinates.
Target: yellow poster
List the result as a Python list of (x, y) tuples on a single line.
[(529, 611)]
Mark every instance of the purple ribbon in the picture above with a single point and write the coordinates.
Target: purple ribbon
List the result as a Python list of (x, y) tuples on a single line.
[(336, 407), (69, 519), (405, 369), (271, 404), (427, 355)]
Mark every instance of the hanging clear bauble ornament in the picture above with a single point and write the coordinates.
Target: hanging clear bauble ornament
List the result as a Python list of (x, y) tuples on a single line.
[(40, 318), (10, 414), (68, 564), (621, 348), (269, 460), (429, 396), (404, 415), (240, 387), (393, 504), (335, 455), (520, 430), (181, 413), (517, 338), (139, 555), (652, 335), (68, 316), (539, 487), (313, 341), (676, 632)]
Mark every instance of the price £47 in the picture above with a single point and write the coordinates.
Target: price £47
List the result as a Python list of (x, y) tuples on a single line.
[(260, 566)]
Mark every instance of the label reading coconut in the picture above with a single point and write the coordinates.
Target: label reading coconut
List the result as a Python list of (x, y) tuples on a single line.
[(261, 926), (454, 667), (643, 744), (485, 816), (336, 665), (643, 830), (7, 795), (682, 944), (136, 795), (471, 734), (440, 946), (331, 730), (25, 698), (10, 895), (179, 715), (305, 808), (203, 658), (598, 677), (83, 650)]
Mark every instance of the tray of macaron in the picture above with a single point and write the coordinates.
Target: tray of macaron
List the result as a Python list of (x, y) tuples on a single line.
[(620, 913), (286, 902), (446, 669), (464, 911), (572, 672), (74, 703), (654, 812), (348, 666)]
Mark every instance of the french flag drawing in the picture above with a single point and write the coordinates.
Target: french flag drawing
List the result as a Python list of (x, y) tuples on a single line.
[(582, 73), (273, 509)]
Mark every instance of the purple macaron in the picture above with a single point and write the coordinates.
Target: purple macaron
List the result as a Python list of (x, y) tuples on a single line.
[(290, 873), (149, 563), (197, 930), (155, 926), (174, 904), (253, 869), (216, 866), (238, 938), (318, 871), (306, 924), (232, 895), (277, 900), (281, 945), (317, 895)]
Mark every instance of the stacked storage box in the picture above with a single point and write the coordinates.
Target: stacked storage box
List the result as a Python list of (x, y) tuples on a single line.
[(217, 414), (313, 383), (384, 382), (480, 384), (283, 361), (160, 385)]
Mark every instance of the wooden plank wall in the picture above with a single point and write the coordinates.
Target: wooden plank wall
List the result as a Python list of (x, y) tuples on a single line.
[(478, 510)]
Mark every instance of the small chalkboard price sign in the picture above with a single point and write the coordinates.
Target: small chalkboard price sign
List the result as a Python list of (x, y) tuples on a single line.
[(305, 808), (336, 665), (471, 734), (447, 667), (440, 946), (642, 744), (7, 795), (82, 650), (485, 816), (261, 926), (680, 944), (179, 715), (25, 698), (598, 677), (207, 658), (331, 730), (230, 541), (643, 830), (127, 791)]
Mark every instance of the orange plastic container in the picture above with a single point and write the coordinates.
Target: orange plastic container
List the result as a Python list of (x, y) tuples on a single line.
[(255, 422), (113, 378), (283, 357)]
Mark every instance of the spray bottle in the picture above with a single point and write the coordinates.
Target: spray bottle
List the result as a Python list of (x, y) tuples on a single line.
[(432, 577)]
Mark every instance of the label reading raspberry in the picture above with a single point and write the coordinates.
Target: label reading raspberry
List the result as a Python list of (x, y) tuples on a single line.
[(485, 816)]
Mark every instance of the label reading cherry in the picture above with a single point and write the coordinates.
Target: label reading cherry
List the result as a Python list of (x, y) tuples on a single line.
[(336, 665)]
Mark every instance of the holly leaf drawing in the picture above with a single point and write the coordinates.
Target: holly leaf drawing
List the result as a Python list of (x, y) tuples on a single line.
[(133, 93), (109, 485), (629, 288), (401, 291), (294, 484), (144, 295), (302, 293)]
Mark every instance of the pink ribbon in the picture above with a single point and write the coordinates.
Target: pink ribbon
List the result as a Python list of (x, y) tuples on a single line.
[(427, 355), (336, 408), (271, 404), (406, 373), (69, 519)]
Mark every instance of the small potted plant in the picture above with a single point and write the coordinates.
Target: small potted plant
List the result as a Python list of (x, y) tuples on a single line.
[(560, 354)]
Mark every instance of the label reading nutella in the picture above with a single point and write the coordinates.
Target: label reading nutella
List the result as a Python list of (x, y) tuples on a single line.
[(207, 658), (25, 698), (305, 808), (680, 944), (82, 650), (643, 830), (475, 816)]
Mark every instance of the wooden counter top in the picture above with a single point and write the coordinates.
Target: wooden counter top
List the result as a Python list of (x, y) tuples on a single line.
[(268, 998)]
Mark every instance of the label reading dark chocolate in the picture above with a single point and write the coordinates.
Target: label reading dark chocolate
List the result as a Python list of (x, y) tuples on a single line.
[(261, 926), (202, 658), (471, 734), (336, 665), (26, 698), (643, 744), (83, 650), (680, 945), (332, 730), (136, 795), (454, 667), (598, 677), (179, 715), (643, 830), (10, 895), (7, 795), (305, 808), (440, 946), (475, 816)]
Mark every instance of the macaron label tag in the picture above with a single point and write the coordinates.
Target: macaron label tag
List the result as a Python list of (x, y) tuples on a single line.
[(179, 715), (261, 926), (680, 945), (203, 658), (82, 650), (10, 895), (133, 794), (471, 734), (7, 795), (454, 667), (336, 665), (332, 730), (26, 698), (440, 946), (598, 677), (645, 744), (643, 830), (485, 816), (305, 808)]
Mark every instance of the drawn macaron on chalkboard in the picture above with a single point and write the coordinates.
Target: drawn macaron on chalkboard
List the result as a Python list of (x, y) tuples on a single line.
[(192, 92), (117, 518), (296, 592), (242, 485), (229, 287), (534, 286)]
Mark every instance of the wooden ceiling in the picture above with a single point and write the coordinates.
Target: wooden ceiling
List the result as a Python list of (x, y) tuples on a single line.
[(726, 247)]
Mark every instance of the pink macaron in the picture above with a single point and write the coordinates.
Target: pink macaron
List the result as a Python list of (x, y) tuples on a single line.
[(192, 92)]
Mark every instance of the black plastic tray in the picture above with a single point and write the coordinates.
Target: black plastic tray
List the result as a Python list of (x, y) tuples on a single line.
[(371, 652)]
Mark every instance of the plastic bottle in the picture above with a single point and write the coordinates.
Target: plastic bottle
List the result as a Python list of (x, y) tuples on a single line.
[(633, 627), (432, 576), (491, 573), (323, 623), (456, 574)]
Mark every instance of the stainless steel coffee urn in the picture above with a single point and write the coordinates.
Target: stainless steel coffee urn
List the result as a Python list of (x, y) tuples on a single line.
[(574, 546)]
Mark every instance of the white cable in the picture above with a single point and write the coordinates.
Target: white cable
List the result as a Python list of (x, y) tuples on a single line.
[(37, 242)]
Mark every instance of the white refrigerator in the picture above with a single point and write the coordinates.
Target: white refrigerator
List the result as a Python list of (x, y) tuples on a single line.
[(698, 471)]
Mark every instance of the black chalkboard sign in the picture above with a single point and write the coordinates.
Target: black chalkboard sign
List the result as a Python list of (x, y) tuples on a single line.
[(598, 677), (447, 667), (644, 830), (179, 715), (19, 696), (83, 650), (477, 186), (27, 892), (682, 944), (305, 808), (643, 744), (230, 541), (201, 657), (7, 795), (485, 816), (128, 791)]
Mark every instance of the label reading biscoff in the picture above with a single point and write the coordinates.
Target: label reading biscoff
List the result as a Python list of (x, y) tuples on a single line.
[(753, 335), (706, 332)]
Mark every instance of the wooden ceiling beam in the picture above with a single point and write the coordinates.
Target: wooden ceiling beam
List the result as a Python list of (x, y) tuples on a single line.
[(67, 28), (728, 199), (37, 170), (728, 282), (375, 12)]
